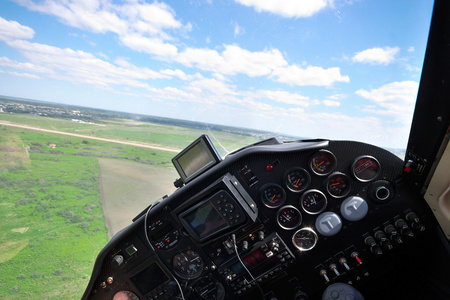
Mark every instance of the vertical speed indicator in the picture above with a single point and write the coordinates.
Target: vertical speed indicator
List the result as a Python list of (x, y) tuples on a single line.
[(297, 180), (323, 162)]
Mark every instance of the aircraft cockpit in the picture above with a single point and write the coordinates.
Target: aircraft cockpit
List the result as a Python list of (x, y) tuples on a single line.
[(306, 219)]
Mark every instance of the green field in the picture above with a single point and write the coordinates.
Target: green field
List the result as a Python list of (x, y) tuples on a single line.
[(53, 222), (129, 130)]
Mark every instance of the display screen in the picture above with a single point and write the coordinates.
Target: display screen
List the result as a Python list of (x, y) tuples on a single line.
[(205, 220), (196, 158), (150, 278), (248, 261)]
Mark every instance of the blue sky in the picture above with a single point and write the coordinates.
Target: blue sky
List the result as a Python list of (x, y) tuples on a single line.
[(336, 69)]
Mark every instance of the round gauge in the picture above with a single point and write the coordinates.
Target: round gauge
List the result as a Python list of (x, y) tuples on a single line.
[(125, 295), (297, 179), (323, 162), (289, 217), (187, 264), (313, 201), (366, 168), (273, 195), (338, 185), (210, 289), (305, 239)]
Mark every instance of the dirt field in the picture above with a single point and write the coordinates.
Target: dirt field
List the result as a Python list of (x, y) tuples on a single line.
[(128, 187)]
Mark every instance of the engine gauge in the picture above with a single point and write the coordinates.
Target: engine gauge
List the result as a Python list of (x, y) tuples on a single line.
[(289, 217), (366, 168), (187, 264), (313, 201), (297, 179), (305, 239), (273, 195), (323, 162), (338, 185), (210, 289)]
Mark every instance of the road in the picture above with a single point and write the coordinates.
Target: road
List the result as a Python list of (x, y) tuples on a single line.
[(91, 137)]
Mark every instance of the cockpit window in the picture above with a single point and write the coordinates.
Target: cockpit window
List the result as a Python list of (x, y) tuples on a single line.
[(96, 97)]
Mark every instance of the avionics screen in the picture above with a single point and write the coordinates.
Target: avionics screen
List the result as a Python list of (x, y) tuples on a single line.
[(150, 278), (205, 220), (195, 159)]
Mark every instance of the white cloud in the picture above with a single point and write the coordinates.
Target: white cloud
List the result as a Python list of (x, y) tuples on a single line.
[(288, 8), (233, 60), (180, 74), (149, 45), (129, 21), (78, 66), (285, 97), (311, 75), (331, 103), (214, 86), (377, 56), (28, 67), (411, 49), (26, 75), (13, 30), (395, 100)]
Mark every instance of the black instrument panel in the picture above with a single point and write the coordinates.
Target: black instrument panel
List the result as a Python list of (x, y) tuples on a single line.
[(301, 215)]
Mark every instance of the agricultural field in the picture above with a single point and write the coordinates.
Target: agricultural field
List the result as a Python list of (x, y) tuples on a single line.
[(132, 130), (59, 195)]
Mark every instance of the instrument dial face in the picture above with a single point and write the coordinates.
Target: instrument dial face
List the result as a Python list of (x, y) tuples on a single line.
[(313, 201), (125, 295), (366, 168), (210, 289), (338, 185), (297, 180), (187, 264), (323, 162), (305, 239), (273, 195), (289, 217)]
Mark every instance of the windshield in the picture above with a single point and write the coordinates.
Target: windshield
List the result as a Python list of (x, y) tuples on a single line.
[(98, 96)]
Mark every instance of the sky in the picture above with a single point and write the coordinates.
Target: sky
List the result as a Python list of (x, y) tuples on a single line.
[(335, 69)]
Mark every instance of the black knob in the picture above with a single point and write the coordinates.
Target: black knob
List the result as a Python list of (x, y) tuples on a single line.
[(387, 244), (379, 235), (390, 229), (418, 226), (170, 290), (300, 295), (376, 250), (397, 239), (370, 241), (412, 217), (401, 224)]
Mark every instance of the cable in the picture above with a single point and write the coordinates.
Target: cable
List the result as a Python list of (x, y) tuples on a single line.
[(237, 254), (233, 236), (151, 246)]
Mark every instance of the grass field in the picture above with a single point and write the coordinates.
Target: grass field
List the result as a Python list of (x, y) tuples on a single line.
[(53, 222), (134, 131)]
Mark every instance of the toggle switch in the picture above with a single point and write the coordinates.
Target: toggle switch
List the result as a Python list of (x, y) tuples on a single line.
[(343, 261)]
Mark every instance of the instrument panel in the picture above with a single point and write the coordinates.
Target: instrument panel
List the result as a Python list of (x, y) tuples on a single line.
[(268, 221)]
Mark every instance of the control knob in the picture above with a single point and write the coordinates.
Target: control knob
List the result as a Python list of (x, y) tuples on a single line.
[(116, 261)]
